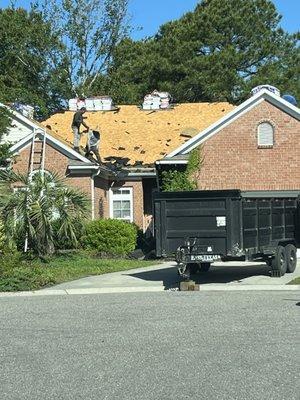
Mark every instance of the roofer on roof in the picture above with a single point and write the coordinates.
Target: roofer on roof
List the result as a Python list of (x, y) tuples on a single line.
[(93, 144), (78, 120)]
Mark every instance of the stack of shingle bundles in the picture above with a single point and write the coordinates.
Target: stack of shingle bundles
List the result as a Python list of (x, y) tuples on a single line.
[(165, 100), (103, 103), (89, 104), (156, 100), (76, 104), (151, 102)]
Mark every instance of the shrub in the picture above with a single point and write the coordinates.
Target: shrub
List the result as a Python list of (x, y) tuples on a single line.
[(64, 242), (110, 236)]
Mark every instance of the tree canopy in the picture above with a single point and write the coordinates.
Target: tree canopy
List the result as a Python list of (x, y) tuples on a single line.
[(31, 68), (217, 52)]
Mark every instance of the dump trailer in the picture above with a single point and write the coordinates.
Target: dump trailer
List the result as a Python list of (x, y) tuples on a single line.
[(200, 227)]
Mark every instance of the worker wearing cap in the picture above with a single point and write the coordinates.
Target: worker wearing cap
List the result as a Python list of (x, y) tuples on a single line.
[(93, 141), (78, 120)]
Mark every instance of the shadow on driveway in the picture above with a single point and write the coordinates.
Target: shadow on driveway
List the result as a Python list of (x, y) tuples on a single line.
[(220, 273)]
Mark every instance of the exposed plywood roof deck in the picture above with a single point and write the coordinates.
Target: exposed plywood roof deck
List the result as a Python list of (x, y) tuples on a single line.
[(138, 136)]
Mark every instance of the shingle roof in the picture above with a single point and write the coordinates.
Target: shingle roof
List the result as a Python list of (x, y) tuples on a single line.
[(142, 137)]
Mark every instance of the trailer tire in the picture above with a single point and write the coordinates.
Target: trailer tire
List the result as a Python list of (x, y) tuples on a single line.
[(193, 268), (291, 257), (279, 263), (204, 267)]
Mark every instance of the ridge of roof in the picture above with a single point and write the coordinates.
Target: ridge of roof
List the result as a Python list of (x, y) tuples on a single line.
[(244, 107)]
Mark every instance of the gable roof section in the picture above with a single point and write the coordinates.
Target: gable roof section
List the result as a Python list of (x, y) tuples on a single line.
[(57, 143), (243, 108), (134, 137)]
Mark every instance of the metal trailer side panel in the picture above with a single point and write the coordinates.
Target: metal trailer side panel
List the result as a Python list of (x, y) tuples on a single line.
[(214, 221), (267, 222)]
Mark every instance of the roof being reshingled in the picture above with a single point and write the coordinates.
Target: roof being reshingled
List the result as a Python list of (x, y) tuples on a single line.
[(136, 136)]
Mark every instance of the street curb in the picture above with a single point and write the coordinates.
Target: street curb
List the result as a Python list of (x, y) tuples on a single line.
[(203, 288)]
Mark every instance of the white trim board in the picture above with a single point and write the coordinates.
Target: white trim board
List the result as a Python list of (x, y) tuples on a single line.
[(23, 143), (26, 141), (232, 116)]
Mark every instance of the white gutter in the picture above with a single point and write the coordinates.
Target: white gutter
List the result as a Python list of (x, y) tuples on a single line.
[(79, 167), (170, 161), (141, 174)]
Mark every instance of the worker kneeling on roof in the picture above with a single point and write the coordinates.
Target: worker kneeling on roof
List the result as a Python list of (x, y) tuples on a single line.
[(78, 120), (93, 141)]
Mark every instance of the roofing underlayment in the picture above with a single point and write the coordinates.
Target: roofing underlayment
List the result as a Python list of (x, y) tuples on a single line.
[(132, 137)]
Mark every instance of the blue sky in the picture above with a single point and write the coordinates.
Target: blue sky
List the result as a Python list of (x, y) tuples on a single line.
[(151, 14)]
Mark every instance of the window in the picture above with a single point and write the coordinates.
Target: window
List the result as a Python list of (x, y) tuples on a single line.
[(121, 204), (265, 135)]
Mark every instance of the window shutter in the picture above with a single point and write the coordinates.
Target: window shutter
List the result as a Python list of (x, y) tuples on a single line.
[(265, 135)]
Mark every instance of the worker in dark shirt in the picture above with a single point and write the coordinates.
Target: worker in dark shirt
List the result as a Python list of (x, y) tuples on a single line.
[(78, 120)]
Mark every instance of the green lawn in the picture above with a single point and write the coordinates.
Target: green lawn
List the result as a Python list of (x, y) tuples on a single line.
[(295, 281), (36, 274)]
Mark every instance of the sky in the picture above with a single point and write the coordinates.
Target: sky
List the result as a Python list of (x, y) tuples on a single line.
[(149, 15)]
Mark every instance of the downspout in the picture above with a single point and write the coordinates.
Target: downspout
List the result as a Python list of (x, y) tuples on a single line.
[(93, 193)]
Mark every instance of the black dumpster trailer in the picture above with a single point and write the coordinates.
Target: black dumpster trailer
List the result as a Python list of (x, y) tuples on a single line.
[(201, 227)]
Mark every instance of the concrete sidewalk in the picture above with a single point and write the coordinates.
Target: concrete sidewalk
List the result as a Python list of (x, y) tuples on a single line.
[(222, 276), (231, 276)]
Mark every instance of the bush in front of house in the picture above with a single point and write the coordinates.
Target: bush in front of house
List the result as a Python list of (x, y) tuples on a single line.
[(110, 236), (65, 241)]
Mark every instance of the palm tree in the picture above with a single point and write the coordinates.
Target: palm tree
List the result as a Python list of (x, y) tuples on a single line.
[(37, 203)]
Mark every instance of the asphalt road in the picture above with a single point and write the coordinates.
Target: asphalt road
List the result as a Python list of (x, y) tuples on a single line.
[(169, 345)]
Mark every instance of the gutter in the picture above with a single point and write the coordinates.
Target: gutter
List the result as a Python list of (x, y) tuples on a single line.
[(171, 162)]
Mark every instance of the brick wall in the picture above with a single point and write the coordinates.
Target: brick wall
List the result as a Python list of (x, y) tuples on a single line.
[(54, 162), (102, 198), (232, 159), (58, 162)]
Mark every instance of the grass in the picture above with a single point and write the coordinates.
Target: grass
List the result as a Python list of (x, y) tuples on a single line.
[(33, 275), (295, 281)]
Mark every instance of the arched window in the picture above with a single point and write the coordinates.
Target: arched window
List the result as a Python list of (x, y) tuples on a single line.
[(265, 135)]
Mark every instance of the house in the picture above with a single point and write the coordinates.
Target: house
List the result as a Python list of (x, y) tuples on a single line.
[(255, 146), (131, 141)]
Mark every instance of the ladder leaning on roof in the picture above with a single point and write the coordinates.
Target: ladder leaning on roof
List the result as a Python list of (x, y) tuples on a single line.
[(41, 153)]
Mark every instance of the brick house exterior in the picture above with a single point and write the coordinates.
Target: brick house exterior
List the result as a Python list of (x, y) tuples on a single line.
[(96, 188), (232, 156)]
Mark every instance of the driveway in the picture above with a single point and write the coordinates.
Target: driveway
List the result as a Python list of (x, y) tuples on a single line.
[(222, 276)]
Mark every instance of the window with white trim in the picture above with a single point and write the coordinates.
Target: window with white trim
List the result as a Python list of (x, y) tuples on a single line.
[(121, 203), (265, 135)]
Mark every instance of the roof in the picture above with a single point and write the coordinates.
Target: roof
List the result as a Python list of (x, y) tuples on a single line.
[(202, 136), (51, 137), (135, 137)]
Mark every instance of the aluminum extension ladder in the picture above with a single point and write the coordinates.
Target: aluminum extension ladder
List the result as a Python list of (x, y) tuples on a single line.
[(37, 160)]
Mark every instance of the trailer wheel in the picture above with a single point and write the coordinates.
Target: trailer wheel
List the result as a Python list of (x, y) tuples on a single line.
[(193, 267), (291, 257), (279, 264), (204, 267)]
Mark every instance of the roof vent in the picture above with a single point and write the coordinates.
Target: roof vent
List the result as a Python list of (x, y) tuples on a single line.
[(98, 103), (291, 99), (270, 88), (157, 101)]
